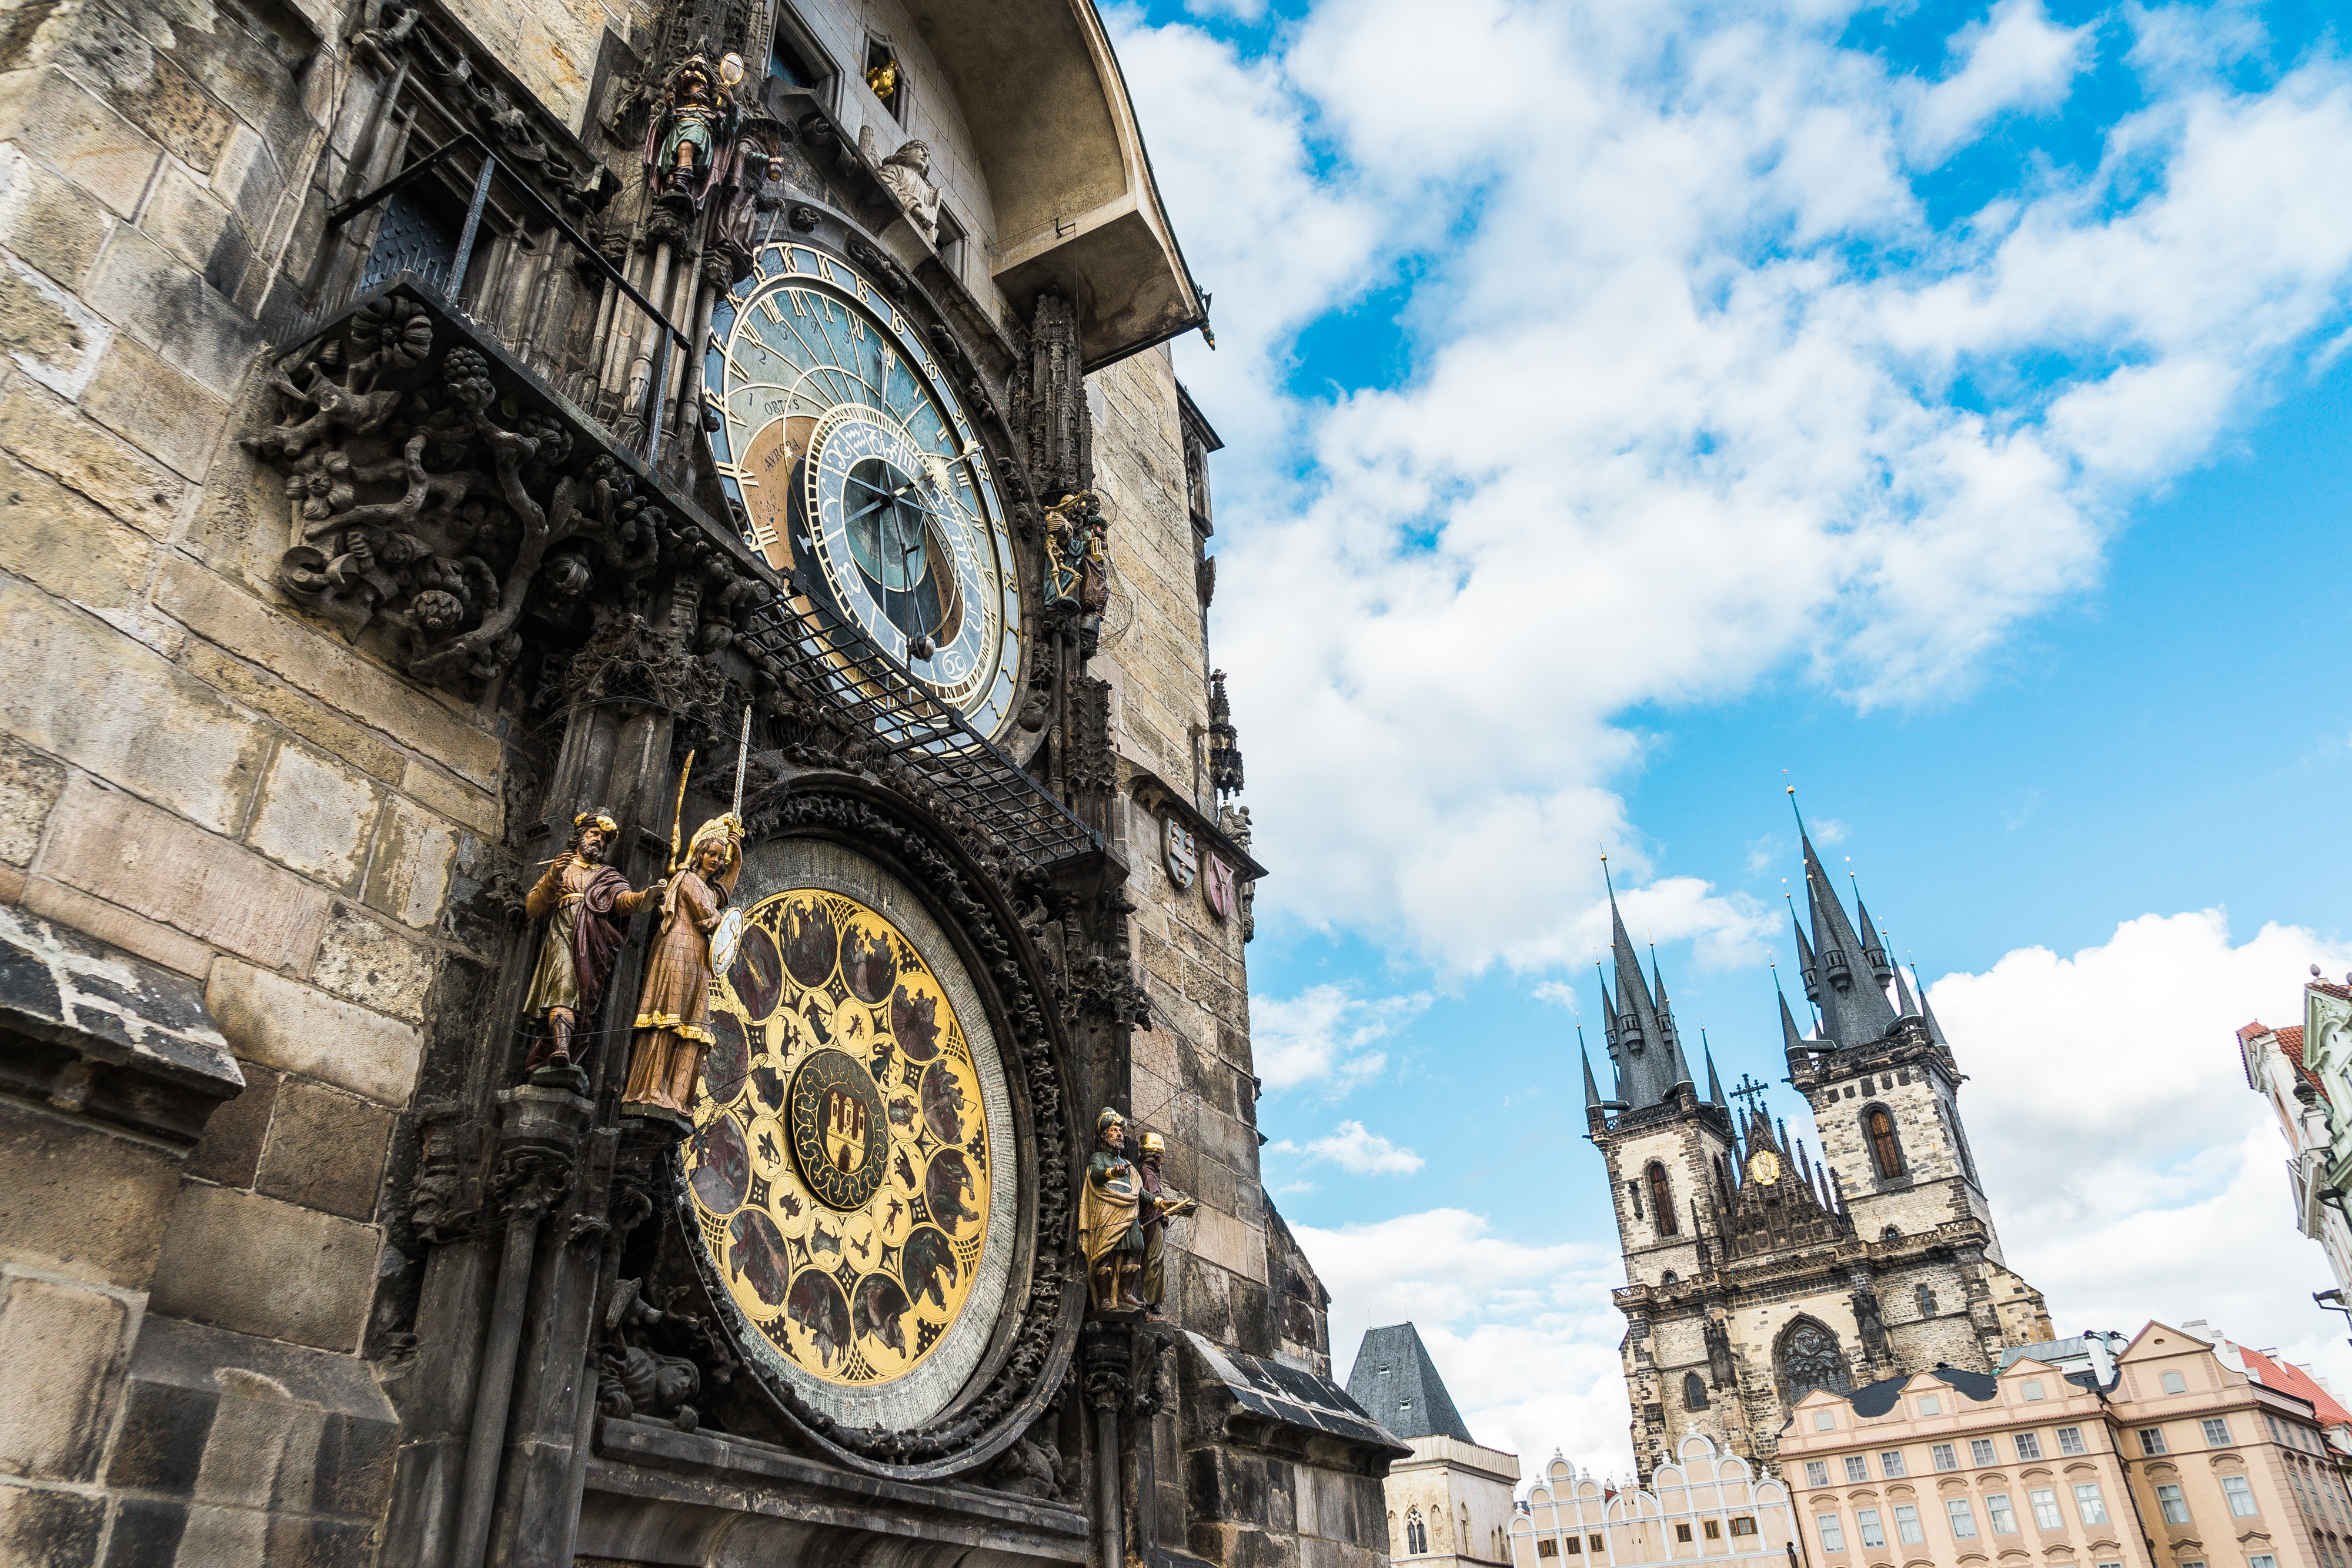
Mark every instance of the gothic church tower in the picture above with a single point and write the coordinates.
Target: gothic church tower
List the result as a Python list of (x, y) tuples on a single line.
[(1756, 1272)]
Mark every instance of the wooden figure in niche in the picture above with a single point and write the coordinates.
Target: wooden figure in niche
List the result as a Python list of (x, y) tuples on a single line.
[(1160, 1204), (672, 1020), (1108, 1229), (588, 900)]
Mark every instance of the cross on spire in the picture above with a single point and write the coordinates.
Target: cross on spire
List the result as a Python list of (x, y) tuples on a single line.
[(1748, 1090)]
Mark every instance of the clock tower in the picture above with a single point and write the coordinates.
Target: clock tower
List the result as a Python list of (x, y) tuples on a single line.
[(1757, 1271)]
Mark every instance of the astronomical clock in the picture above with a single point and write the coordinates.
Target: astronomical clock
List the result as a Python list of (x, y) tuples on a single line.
[(860, 476)]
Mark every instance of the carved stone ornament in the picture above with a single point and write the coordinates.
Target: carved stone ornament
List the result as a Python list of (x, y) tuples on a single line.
[(1041, 1314), (906, 175), (1217, 886), (446, 512), (1183, 854)]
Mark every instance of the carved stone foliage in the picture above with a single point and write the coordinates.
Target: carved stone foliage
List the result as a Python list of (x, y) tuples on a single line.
[(1044, 1324), (437, 504)]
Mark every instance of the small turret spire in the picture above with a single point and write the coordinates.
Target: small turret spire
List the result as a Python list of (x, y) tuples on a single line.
[(1806, 967), (1904, 1002), (1873, 951), (1592, 1089), (1714, 1079)]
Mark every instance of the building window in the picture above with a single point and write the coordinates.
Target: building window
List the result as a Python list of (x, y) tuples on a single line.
[(1926, 1302), (1906, 1524), (1745, 1524), (1817, 1472), (2240, 1493), (2028, 1445), (2151, 1440), (887, 78), (1867, 1520), (1964, 1521), (1891, 1463), (1857, 1468), (2175, 1384), (1811, 1359), (1693, 1391), (1997, 1510), (2090, 1504), (2033, 1388), (1662, 1200), (1832, 1538), (2175, 1506), (2045, 1508), (1417, 1535), (1714, 1532), (2192, 1565), (1823, 1421), (1885, 1152), (795, 56), (2262, 1559), (1944, 1457), (1547, 1548), (2070, 1440), (1930, 1406), (1599, 1545), (1575, 1544), (1981, 1452), (1682, 1532), (2217, 1433)]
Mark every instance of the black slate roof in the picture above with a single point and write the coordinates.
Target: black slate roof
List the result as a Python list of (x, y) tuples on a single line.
[(1395, 1381), (1878, 1398), (1291, 1397)]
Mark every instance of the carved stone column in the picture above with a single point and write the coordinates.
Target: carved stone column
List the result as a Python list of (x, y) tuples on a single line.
[(1060, 432), (1107, 1355)]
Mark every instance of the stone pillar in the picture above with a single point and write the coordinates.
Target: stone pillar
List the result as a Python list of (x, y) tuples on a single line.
[(1107, 1356)]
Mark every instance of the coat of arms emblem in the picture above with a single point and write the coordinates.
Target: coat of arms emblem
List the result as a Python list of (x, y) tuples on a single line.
[(1183, 858), (1218, 886)]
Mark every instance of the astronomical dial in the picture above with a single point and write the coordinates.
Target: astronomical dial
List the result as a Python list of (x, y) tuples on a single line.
[(860, 476), (1764, 1167)]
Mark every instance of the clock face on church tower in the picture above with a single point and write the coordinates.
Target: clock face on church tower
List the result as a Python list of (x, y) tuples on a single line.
[(860, 476)]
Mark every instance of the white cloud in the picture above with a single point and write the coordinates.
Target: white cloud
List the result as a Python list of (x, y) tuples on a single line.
[(1699, 391), (1326, 1035), (1356, 1151)]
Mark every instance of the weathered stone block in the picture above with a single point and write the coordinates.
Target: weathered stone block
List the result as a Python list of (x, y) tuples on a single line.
[(111, 923), (29, 784), (1228, 1243), (46, 221), (298, 711), (85, 140), (373, 965), (167, 305), (477, 809), (73, 685), (189, 221), (283, 1023), (237, 621), (55, 538), (42, 1528), (131, 854), (45, 435), (81, 1203), (259, 1266), (240, 526), (64, 1350), (409, 878), (315, 817), (139, 397), (151, 88), (230, 1151), (326, 1150)]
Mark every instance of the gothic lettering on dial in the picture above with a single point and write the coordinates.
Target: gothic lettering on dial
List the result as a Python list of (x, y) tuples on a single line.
[(860, 476)]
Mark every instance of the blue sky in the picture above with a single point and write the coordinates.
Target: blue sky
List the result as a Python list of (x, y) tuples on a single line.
[(1628, 402)]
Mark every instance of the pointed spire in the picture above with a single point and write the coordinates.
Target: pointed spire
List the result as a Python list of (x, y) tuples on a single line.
[(1608, 1009), (1904, 1001), (1652, 1062), (1714, 1079), (1927, 1011), (1852, 1014), (1837, 1189), (1873, 951), (1592, 1089), (1806, 967), (1790, 1041)]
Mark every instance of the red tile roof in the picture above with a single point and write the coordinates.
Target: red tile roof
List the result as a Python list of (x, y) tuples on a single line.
[(2290, 1379)]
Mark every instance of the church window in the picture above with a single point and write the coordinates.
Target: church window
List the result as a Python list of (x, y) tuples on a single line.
[(1866, 1521), (1693, 1392), (2175, 1506), (1417, 1535), (1906, 1524), (1817, 1472), (1981, 1452), (2003, 1516), (1857, 1468), (2070, 1440), (1890, 1463), (2090, 1504), (1944, 1456), (2217, 1433), (1832, 1538), (1744, 1525), (1885, 1152), (2151, 1440), (2240, 1493), (2174, 1382), (2033, 1388), (1661, 1199), (1811, 1359), (1682, 1532), (1926, 1302), (2045, 1509), (2028, 1445), (1963, 1520)]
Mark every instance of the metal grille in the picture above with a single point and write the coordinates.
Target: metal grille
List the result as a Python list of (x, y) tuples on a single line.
[(830, 655), (410, 238)]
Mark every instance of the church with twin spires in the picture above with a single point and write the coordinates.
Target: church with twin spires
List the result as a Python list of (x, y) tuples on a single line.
[(1757, 1271)]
